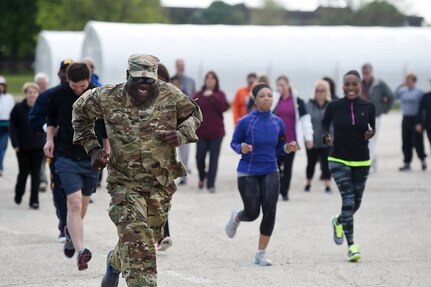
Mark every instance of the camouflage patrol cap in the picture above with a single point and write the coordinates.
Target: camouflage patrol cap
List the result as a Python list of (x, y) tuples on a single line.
[(143, 66)]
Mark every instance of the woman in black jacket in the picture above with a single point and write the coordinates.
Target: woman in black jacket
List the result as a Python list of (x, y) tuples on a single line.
[(28, 146), (353, 120)]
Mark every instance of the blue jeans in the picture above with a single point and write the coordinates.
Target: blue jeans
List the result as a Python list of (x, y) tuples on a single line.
[(58, 195), (351, 183), (4, 137)]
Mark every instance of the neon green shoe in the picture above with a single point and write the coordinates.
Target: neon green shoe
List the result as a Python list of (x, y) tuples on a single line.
[(353, 253), (338, 231)]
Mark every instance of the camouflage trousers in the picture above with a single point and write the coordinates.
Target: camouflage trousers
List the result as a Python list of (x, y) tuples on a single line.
[(140, 218)]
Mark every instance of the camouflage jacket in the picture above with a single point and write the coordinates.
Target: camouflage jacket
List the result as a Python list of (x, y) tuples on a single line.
[(139, 158)]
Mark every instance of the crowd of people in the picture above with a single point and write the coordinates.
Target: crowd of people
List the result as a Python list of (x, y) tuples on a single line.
[(138, 127)]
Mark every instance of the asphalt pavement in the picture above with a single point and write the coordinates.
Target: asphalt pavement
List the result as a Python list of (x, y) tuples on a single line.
[(393, 229)]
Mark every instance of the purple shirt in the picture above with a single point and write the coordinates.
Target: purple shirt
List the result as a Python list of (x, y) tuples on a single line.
[(286, 111), (212, 108)]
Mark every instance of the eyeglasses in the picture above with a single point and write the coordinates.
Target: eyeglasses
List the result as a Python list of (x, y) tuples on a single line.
[(320, 91), (142, 80)]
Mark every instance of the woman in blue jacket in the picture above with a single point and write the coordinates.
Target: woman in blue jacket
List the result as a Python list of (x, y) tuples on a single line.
[(259, 137)]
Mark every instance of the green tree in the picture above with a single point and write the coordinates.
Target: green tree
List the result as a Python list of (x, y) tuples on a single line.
[(221, 13), (18, 29), (272, 13), (379, 13), (334, 16), (74, 14)]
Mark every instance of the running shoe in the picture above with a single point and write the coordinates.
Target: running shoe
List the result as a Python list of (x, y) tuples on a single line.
[(405, 167), (83, 257), (328, 189), (18, 199), (424, 164), (338, 230), (68, 248), (353, 253), (261, 259), (201, 184), (43, 186), (232, 224), (164, 244), (61, 238), (307, 188), (112, 275)]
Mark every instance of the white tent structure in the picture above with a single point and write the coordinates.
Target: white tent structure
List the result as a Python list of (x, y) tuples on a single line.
[(304, 54), (55, 46)]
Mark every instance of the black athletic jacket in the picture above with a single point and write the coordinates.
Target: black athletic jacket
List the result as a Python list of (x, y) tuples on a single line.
[(21, 135), (350, 119)]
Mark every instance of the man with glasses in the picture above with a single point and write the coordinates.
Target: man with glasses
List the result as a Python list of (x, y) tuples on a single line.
[(145, 119), (377, 92)]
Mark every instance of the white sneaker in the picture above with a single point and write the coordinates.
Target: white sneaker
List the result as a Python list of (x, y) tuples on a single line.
[(232, 224), (43, 186), (62, 239), (261, 259), (164, 244)]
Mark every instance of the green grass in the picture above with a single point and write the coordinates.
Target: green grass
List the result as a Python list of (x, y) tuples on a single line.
[(15, 82)]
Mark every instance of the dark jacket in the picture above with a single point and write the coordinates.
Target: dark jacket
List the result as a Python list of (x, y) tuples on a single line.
[(350, 119), (39, 111), (60, 114), (212, 108), (21, 135), (424, 112)]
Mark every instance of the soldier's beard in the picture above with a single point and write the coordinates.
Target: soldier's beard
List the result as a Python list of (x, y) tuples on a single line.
[(143, 95)]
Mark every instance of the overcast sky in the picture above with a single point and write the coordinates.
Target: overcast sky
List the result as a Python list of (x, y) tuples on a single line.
[(416, 7)]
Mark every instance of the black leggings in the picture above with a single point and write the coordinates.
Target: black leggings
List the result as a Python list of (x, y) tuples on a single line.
[(257, 191)]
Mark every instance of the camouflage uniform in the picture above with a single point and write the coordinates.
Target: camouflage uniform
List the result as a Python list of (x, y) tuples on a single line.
[(141, 168)]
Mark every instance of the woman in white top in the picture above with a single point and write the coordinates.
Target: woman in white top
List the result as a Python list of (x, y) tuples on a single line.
[(6, 105), (291, 109)]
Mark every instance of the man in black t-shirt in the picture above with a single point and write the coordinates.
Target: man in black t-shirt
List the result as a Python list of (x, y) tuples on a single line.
[(72, 164)]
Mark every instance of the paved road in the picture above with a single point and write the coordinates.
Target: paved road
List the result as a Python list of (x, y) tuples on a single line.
[(392, 228)]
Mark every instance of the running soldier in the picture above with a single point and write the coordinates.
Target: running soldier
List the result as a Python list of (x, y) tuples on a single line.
[(145, 120)]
